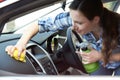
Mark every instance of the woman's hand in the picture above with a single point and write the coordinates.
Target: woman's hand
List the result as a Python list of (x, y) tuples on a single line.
[(10, 49), (90, 57), (21, 44)]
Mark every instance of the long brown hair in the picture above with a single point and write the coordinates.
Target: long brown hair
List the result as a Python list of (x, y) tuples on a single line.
[(110, 24)]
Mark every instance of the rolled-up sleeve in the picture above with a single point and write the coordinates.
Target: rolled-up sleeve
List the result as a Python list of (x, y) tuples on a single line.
[(55, 23)]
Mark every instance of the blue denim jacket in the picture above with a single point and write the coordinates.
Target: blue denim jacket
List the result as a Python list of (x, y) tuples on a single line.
[(62, 21)]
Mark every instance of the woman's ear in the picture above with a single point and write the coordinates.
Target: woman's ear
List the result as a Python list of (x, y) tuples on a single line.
[(96, 19)]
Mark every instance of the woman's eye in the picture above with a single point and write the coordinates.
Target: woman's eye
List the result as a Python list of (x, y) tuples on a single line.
[(79, 23)]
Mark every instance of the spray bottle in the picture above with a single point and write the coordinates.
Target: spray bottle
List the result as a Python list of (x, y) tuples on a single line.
[(91, 67)]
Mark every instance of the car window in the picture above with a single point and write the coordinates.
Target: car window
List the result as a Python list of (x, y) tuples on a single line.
[(118, 10), (110, 5), (18, 23), (31, 17)]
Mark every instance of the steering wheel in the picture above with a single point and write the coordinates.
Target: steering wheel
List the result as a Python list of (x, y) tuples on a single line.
[(56, 41), (69, 48)]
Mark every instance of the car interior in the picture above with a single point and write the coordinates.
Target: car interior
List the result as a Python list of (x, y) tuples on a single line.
[(48, 53)]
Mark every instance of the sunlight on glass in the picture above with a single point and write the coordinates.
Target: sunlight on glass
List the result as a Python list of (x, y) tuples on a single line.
[(35, 15), (118, 11)]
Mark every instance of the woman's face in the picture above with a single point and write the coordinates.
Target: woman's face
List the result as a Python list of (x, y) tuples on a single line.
[(81, 24)]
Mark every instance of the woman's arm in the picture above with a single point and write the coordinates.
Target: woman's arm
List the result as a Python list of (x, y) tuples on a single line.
[(29, 32), (59, 22)]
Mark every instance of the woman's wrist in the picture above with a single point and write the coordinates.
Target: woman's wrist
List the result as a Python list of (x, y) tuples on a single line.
[(21, 44)]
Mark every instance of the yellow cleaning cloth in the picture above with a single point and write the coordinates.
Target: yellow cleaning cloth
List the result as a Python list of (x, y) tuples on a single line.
[(22, 56)]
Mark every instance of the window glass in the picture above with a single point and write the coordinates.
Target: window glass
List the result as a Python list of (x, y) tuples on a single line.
[(118, 10), (31, 17), (110, 5)]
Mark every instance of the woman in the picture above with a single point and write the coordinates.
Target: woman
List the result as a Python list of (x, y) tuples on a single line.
[(96, 24), (100, 27)]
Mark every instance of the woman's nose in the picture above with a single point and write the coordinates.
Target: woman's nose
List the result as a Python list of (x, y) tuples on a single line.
[(75, 27)]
